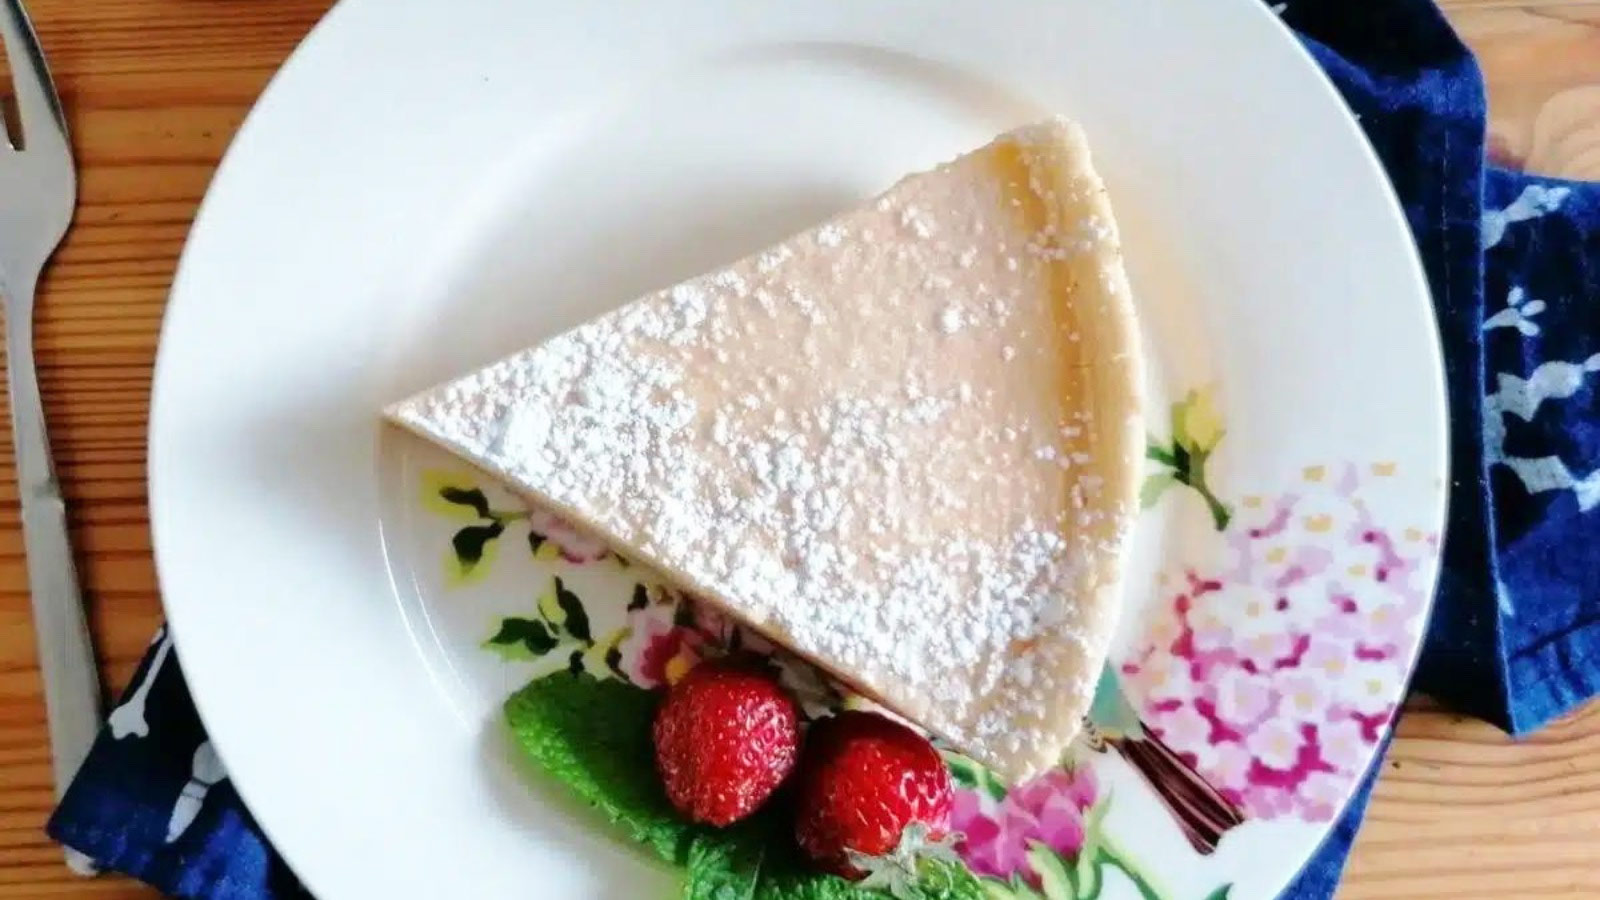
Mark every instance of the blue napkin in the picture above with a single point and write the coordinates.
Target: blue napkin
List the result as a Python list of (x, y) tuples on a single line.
[(153, 800), (1512, 261)]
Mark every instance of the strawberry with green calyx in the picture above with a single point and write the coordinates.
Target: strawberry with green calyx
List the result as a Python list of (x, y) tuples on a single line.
[(872, 800)]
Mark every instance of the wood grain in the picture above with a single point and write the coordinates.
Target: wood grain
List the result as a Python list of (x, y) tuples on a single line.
[(155, 89), (1541, 64)]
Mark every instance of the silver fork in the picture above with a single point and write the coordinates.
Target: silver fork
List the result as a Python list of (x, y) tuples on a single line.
[(38, 190)]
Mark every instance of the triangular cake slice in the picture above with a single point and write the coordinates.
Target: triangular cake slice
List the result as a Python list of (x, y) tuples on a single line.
[(903, 444)]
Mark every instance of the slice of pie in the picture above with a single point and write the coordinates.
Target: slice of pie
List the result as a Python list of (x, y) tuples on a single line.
[(903, 444)]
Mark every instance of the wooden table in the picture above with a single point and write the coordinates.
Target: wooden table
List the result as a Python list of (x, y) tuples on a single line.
[(155, 88)]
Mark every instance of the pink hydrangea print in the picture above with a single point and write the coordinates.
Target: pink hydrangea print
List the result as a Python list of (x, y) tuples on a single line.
[(1273, 674)]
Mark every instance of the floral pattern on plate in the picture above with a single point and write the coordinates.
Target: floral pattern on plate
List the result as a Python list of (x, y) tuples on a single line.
[(1273, 670), (1256, 684), (456, 495)]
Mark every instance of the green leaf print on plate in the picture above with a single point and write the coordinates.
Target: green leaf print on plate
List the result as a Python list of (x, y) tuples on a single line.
[(454, 495), (472, 548), (522, 639), (573, 619), (561, 622), (968, 774), (1045, 839), (472, 498), (1053, 876), (1196, 432)]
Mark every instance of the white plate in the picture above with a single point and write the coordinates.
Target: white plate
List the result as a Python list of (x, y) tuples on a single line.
[(428, 185)]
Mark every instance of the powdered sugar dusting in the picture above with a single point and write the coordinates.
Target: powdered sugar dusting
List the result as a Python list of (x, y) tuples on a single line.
[(950, 319), (823, 440)]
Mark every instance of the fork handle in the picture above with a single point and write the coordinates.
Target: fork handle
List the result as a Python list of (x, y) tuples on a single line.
[(66, 654)]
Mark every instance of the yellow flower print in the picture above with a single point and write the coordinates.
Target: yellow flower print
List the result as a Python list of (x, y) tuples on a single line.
[(1196, 431), (1196, 424)]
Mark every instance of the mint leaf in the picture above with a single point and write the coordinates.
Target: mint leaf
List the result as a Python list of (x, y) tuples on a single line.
[(726, 865), (757, 859), (595, 737)]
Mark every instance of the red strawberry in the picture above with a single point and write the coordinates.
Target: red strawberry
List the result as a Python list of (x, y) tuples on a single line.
[(867, 782), (726, 736)]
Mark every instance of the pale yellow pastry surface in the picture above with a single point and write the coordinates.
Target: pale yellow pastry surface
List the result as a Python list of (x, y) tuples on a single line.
[(903, 444)]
